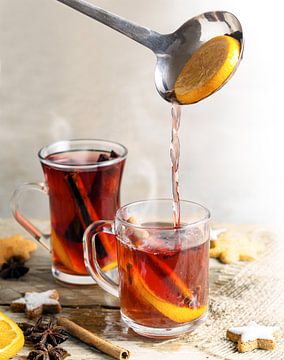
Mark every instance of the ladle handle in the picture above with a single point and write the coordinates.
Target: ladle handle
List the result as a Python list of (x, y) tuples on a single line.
[(144, 36)]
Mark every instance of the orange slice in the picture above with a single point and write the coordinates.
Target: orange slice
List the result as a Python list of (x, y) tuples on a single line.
[(109, 266), (11, 338), (207, 69), (179, 314), (62, 253)]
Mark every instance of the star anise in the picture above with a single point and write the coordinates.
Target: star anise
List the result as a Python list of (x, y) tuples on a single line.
[(14, 268), (48, 352), (102, 157), (27, 329), (113, 154), (44, 333)]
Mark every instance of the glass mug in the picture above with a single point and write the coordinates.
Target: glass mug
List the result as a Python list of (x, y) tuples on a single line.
[(163, 271), (82, 181)]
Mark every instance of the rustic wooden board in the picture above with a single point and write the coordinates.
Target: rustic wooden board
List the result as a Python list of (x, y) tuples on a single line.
[(107, 323)]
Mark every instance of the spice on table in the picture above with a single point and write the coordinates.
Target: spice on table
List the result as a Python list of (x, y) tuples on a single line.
[(94, 340), (48, 352), (13, 268), (45, 333)]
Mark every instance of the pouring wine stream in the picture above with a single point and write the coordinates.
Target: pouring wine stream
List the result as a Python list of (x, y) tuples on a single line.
[(180, 75), (175, 156)]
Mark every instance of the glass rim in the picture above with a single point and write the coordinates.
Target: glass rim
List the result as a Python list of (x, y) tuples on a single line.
[(53, 164), (203, 220)]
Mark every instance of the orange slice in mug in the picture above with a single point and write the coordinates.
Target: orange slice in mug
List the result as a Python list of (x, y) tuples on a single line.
[(179, 314), (110, 266), (62, 253)]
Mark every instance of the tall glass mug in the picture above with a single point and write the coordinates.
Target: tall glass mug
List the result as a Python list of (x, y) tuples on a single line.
[(82, 180), (163, 271)]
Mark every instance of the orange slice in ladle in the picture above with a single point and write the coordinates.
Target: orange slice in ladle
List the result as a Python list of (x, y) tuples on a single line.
[(207, 69)]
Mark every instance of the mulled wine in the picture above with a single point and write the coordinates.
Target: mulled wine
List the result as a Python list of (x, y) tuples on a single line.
[(83, 187), (164, 282)]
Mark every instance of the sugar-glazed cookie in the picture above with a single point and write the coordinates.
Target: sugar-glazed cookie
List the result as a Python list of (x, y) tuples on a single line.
[(34, 304), (253, 336)]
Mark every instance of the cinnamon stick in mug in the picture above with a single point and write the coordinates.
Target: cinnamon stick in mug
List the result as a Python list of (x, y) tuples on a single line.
[(86, 209), (92, 339)]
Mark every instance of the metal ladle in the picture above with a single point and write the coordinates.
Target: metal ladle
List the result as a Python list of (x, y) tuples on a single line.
[(172, 50)]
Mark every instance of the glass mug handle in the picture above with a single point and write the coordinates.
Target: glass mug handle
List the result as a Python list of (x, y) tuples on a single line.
[(90, 255), (21, 219)]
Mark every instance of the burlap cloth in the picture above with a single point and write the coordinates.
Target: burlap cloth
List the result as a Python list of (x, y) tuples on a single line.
[(244, 292)]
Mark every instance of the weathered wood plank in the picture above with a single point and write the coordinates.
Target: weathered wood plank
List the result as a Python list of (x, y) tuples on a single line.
[(107, 324)]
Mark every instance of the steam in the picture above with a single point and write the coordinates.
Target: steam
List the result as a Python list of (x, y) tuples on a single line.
[(146, 179), (141, 184), (59, 127)]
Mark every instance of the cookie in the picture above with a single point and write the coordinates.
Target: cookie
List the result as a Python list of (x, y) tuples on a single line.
[(253, 336), (35, 304), (214, 233), (16, 246), (231, 245)]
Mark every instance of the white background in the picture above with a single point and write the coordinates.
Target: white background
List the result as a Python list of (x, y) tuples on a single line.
[(63, 76)]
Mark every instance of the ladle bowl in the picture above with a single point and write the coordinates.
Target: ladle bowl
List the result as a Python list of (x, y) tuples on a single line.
[(174, 49)]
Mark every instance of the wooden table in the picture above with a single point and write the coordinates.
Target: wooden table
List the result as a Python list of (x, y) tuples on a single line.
[(89, 306)]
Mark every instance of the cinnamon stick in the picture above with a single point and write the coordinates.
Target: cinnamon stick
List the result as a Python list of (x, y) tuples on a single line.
[(85, 217), (93, 340), (87, 211)]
